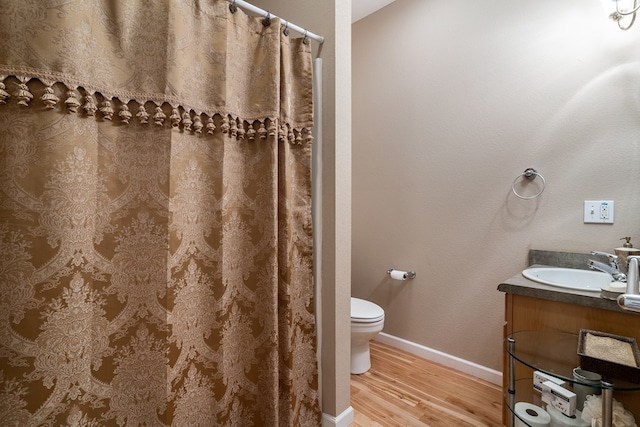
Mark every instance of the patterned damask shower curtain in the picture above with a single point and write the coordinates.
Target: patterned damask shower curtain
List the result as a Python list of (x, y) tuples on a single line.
[(155, 226)]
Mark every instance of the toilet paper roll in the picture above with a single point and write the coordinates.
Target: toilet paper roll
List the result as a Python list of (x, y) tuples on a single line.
[(558, 419), (398, 275), (531, 415)]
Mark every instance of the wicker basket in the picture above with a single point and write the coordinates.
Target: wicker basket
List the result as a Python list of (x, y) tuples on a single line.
[(606, 368)]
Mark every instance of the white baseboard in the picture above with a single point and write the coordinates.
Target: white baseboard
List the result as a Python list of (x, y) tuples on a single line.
[(342, 420), (470, 368)]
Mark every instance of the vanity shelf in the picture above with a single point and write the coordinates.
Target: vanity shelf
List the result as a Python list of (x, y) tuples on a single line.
[(554, 353)]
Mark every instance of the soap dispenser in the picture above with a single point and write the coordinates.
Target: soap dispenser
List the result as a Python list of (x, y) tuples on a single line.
[(626, 250)]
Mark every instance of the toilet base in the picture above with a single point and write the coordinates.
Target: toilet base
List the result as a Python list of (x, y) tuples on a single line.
[(360, 358)]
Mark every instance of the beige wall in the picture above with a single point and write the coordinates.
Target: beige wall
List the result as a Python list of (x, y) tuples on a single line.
[(331, 19), (452, 99)]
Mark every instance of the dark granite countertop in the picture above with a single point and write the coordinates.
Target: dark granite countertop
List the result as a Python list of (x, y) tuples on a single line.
[(520, 285)]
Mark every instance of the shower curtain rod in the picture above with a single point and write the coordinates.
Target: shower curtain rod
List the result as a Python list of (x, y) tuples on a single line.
[(266, 14)]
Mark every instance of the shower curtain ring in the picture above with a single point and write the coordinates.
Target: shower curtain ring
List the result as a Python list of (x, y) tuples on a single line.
[(267, 20), (305, 40), (286, 28), (232, 7)]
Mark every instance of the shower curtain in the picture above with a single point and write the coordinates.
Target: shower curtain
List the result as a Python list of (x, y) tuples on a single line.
[(155, 218)]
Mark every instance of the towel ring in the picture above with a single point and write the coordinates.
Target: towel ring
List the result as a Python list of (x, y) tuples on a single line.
[(530, 174)]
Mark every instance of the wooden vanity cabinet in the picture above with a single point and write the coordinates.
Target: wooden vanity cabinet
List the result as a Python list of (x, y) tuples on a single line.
[(527, 313)]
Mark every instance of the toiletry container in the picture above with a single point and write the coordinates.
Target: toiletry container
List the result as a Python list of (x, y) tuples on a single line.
[(625, 251), (588, 382)]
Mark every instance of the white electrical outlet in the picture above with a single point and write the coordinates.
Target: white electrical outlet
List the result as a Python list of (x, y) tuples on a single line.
[(598, 211)]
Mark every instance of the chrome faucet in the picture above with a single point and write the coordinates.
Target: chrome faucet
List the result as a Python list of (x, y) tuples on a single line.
[(613, 268), (630, 300)]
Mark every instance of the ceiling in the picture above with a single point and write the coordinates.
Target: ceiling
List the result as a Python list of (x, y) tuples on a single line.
[(362, 8)]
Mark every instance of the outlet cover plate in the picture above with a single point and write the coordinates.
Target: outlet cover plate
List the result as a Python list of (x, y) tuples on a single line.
[(598, 211)]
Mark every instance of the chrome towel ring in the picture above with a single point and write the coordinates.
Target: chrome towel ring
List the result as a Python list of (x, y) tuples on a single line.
[(530, 174)]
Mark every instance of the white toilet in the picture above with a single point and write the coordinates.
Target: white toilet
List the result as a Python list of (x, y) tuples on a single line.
[(367, 320)]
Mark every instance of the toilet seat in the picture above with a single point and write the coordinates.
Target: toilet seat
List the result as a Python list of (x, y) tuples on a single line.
[(363, 311)]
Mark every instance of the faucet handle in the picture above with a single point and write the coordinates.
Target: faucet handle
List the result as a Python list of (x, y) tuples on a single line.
[(612, 257)]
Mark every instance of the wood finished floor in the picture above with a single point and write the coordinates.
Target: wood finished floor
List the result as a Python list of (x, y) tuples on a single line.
[(403, 390)]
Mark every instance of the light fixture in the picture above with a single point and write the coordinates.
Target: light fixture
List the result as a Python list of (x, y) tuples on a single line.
[(621, 11)]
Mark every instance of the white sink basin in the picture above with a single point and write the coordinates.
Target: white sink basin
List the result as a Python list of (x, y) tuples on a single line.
[(571, 278)]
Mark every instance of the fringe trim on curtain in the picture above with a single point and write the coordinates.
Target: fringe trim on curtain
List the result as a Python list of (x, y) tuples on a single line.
[(79, 100)]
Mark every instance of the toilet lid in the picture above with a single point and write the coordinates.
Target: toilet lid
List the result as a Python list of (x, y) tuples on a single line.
[(365, 311)]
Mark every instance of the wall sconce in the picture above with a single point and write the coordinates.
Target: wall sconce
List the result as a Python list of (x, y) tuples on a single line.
[(618, 10)]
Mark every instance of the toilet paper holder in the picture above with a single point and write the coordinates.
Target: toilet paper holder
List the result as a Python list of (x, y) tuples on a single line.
[(401, 275)]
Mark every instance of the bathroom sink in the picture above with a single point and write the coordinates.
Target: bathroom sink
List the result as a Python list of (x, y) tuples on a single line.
[(571, 278)]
